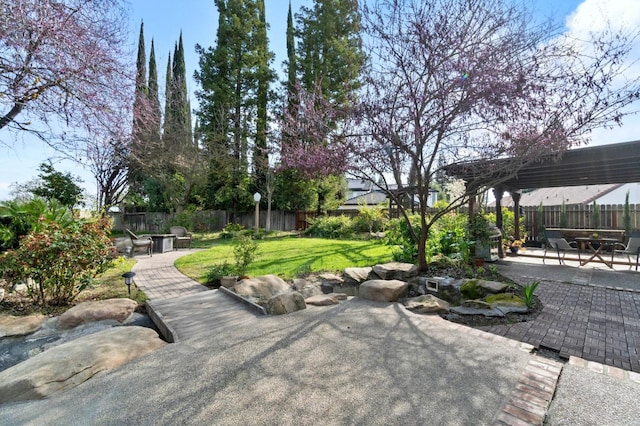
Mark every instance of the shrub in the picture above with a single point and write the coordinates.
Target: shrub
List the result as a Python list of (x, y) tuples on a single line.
[(231, 230), (244, 252), (330, 227), (57, 262), (508, 222), (369, 219), (18, 218), (398, 235)]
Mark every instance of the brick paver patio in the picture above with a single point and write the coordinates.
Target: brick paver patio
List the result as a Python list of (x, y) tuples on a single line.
[(591, 321)]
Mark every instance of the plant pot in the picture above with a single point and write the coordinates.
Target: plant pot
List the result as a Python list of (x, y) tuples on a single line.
[(478, 261), (514, 249), (228, 281)]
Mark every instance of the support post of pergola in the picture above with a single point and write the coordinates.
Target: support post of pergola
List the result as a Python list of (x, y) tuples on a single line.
[(515, 195), (498, 192)]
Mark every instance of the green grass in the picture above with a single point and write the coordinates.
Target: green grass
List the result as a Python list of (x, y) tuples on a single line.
[(110, 284), (289, 257)]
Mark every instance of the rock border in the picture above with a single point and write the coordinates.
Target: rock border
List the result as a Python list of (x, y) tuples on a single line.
[(236, 296)]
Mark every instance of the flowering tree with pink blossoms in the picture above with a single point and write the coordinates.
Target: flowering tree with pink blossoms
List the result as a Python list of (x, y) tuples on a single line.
[(460, 80), (62, 69)]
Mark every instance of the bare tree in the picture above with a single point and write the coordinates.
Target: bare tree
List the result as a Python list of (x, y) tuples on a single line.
[(108, 161)]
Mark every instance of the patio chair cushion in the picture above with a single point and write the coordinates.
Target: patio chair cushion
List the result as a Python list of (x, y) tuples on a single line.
[(183, 237), (145, 242)]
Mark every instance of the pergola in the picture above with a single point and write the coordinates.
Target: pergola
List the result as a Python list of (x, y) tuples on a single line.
[(604, 164)]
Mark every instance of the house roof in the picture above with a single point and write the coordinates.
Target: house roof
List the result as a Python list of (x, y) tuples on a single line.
[(370, 199), (359, 184), (603, 164), (584, 194)]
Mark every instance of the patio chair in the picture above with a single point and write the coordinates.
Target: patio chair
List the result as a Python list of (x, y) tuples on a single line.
[(632, 247), (556, 242), (144, 242), (183, 237)]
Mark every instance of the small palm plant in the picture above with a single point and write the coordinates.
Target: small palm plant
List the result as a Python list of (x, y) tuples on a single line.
[(528, 291)]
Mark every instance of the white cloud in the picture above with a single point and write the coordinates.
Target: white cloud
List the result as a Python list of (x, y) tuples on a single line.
[(616, 15), (595, 15)]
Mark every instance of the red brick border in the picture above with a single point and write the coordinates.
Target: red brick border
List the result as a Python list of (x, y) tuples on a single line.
[(530, 400), (606, 370)]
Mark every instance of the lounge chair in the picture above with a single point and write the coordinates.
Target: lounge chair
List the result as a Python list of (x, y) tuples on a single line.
[(183, 237), (144, 242), (559, 244), (632, 247)]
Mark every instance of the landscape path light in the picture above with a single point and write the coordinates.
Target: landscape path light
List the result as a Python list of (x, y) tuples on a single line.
[(257, 197), (128, 279)]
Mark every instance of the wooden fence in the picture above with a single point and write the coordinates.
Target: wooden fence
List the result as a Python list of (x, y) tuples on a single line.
[(210, 220), (576, 217), (579, 216)]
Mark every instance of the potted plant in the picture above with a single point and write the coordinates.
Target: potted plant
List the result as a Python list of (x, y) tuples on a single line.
[(514, 245)]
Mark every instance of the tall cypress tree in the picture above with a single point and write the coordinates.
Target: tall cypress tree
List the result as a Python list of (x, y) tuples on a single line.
[(141, 80), (139, 131), (292, 65), (154, 98), (330, 49), (168, 87), (233, 78), (328, 58), (264, 75), (177, 132)]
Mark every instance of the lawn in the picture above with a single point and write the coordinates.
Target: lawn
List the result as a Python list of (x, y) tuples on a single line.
[(110, 284), (289, 257)]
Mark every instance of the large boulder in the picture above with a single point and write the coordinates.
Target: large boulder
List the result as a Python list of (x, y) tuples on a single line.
[(507, 303), (322, 300), (426, 304), (396, 271), (330, 282), (307, 288), (382, 290), (19, 326), (263, 287), (492, 287), (85, 312), (326, 299), (72, 363), (476, 307), (285, 303), (355, 276)]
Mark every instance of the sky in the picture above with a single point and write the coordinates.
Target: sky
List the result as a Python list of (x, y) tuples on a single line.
[(197, 19)]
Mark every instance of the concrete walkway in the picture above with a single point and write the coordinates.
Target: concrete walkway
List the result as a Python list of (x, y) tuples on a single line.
[(356, 363), (581, 321), (158, 278)]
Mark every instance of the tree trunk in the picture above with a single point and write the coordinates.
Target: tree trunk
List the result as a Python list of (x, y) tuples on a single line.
[(422, 251), (13, 113), (267, 225)]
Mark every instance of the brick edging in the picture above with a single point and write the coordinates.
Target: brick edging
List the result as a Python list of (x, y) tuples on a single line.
[(530, 400), (606, 370)]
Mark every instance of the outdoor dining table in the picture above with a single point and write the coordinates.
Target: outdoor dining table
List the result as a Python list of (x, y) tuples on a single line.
[(600, 243)]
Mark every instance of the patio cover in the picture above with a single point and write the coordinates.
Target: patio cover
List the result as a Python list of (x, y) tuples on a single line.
[(603, 164)]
